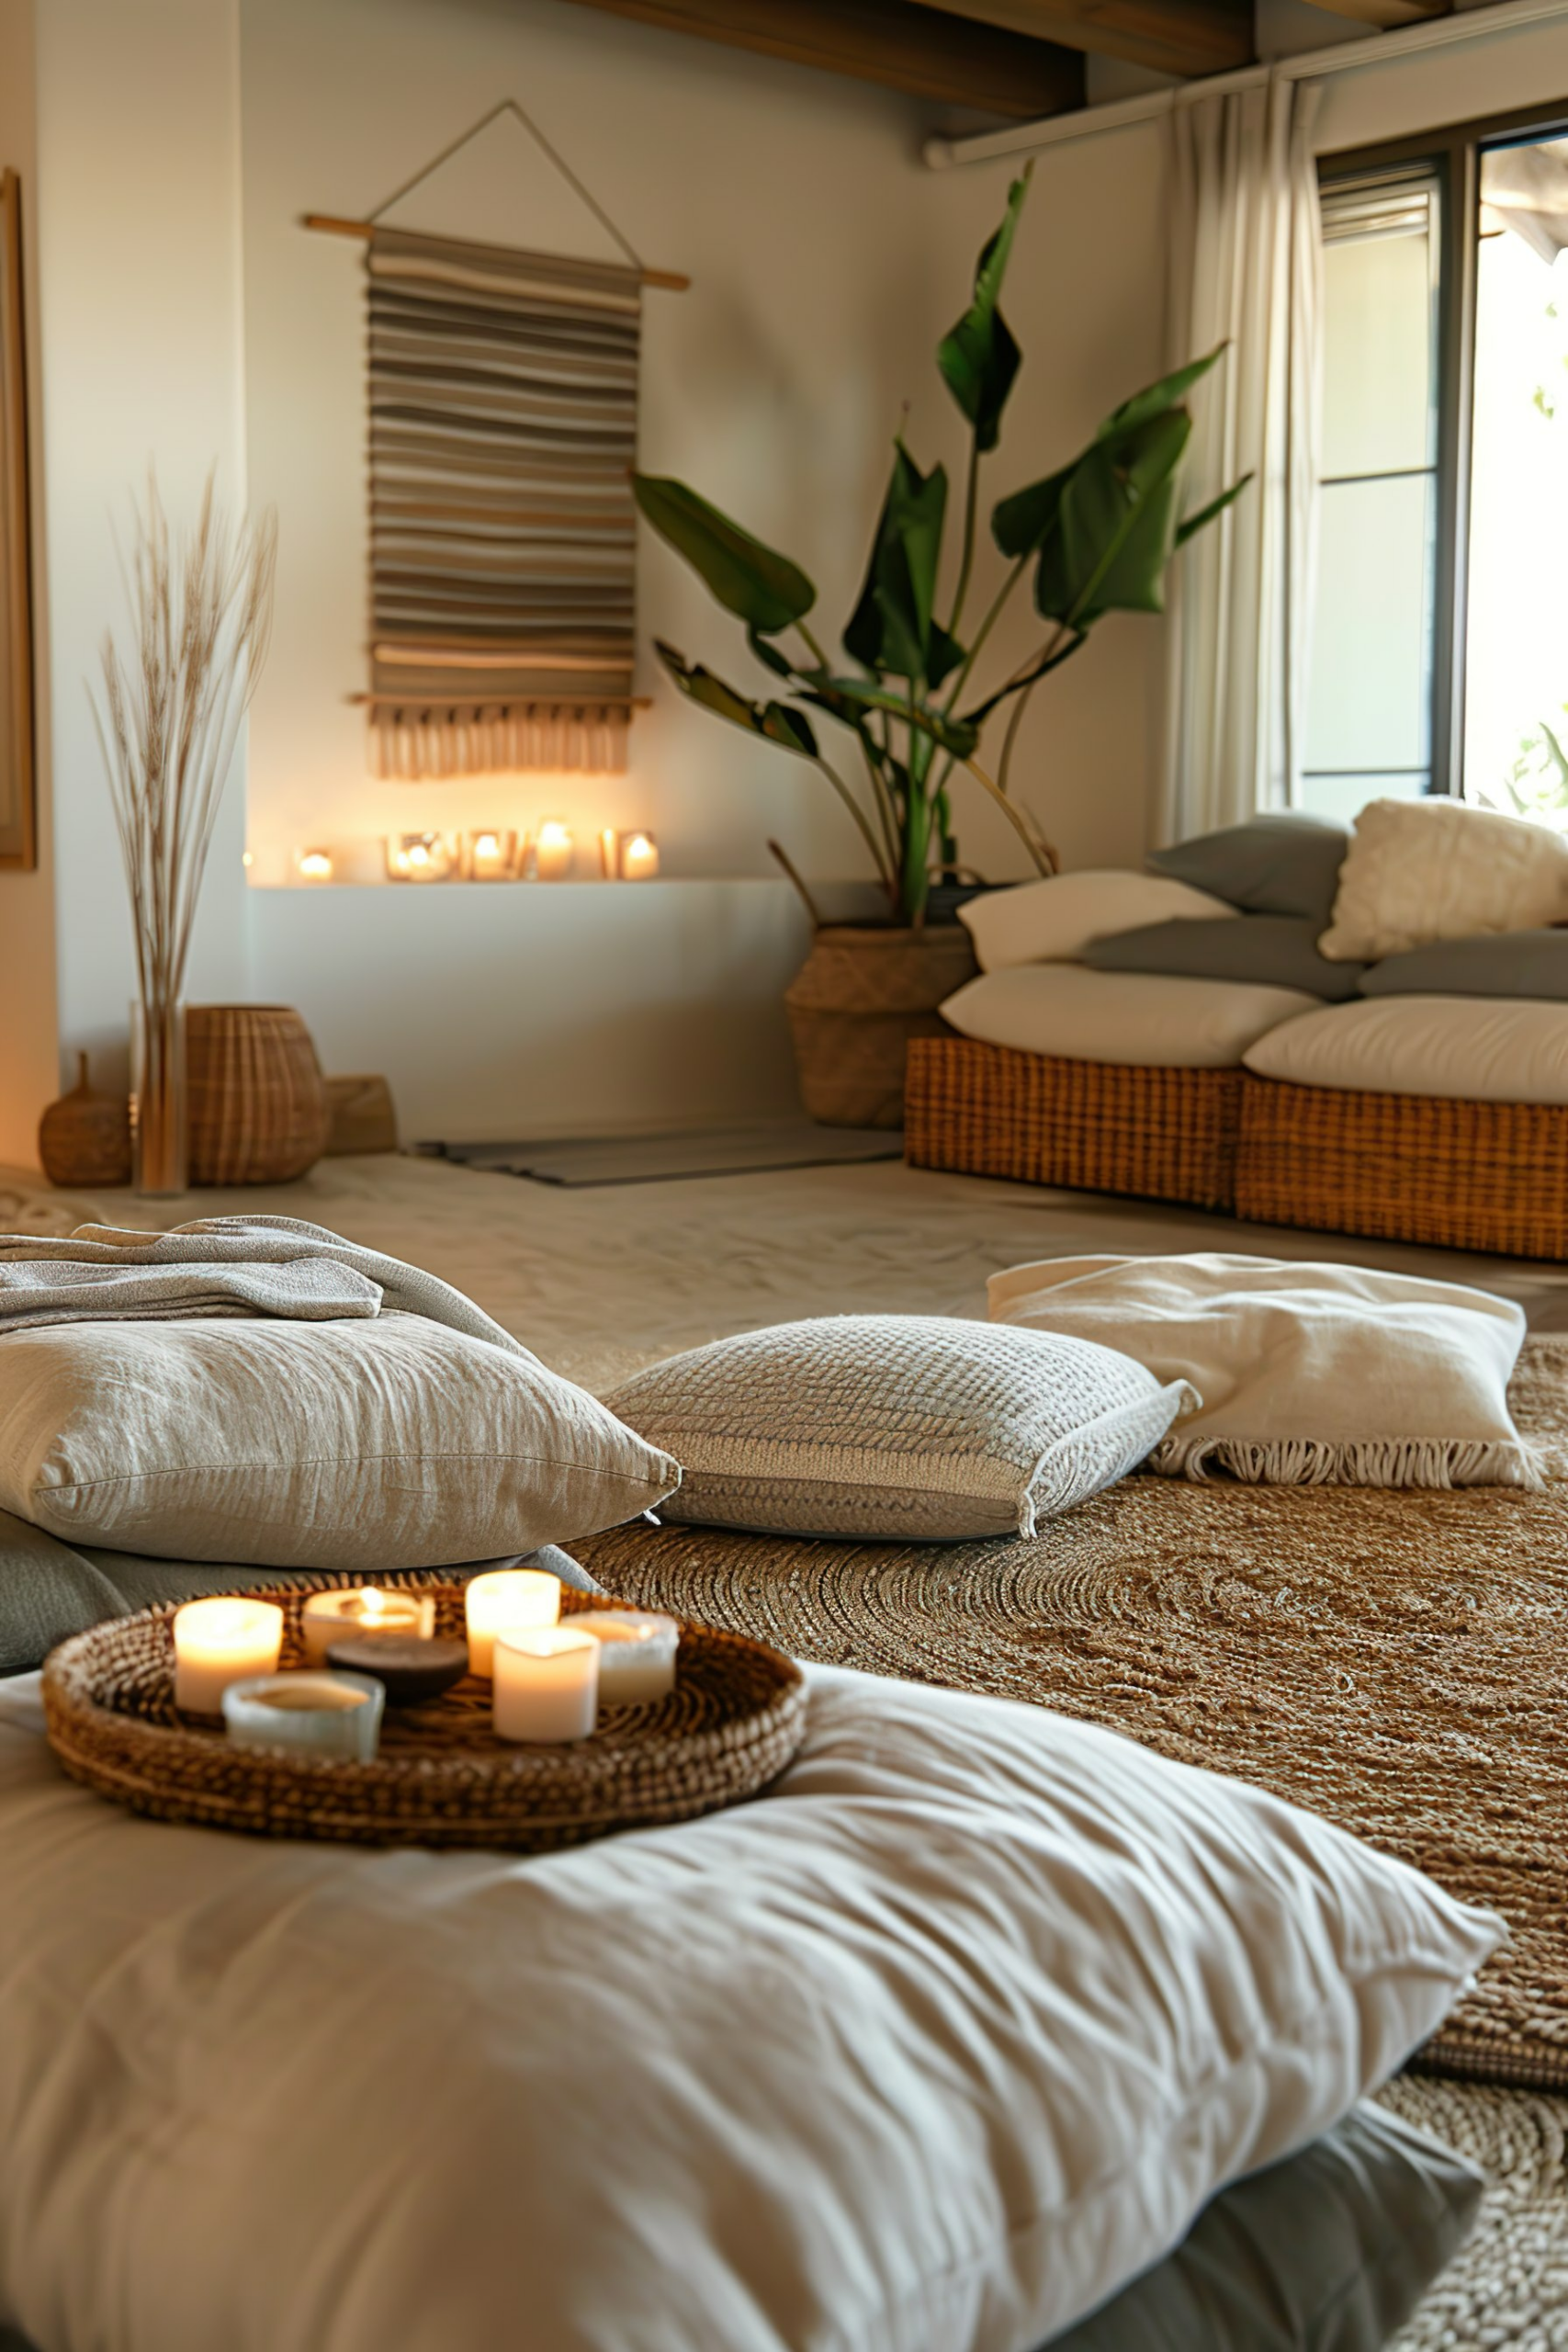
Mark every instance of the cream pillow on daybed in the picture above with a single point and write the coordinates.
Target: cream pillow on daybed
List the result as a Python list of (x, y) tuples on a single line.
[(1052, 921), (1148, 1020), (1469, 1048), (1419, 870), (394, 1441)]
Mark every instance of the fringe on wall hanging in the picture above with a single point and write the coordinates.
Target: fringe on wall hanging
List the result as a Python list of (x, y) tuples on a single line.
[(504, 406)]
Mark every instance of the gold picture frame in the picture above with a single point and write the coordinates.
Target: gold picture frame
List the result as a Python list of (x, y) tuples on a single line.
[(19, 845)]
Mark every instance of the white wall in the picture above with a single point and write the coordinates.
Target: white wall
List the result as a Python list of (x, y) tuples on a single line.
[(139, 317)]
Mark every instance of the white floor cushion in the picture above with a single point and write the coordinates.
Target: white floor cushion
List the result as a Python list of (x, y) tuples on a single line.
[(1419, 870), (1055, 921), (1471, 1048), (929, 2050), (1143, 1018)]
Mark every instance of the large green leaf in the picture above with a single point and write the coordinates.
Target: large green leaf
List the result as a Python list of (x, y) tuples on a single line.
[(1022, 524), (1116, 526), (790, 730), (978, 358), (1167, 393), (892, 629), (1207, 514), (765, 589)]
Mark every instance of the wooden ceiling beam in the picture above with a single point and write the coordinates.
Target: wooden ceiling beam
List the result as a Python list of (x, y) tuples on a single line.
[(930, 53), (1181, 37)]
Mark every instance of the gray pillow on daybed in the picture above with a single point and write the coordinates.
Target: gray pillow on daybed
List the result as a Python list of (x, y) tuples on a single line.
[(1280, 951), (50, 1590), (1507, 963), (1330, 2251), (1284, 862)]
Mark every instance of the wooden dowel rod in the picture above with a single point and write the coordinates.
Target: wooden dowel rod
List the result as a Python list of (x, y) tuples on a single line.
[(499, 702), (330, 225)]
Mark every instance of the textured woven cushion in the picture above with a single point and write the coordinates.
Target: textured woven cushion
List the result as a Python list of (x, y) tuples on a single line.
[(1328, 2252), (1283, 863), (1130, 1017), (1514, 963), (1419, 870), (396, 1443), (1469, 1049), (1280, 951), (907, 1427), (1041, 922)]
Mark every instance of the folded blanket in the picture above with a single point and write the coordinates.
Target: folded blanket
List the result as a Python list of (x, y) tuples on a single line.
[(222, 1265)]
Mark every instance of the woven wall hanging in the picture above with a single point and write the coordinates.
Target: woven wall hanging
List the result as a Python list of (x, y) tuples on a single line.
[(502, 397)]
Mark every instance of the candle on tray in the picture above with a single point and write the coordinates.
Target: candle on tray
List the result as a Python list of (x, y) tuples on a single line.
[(328, 1714), (639, 857), (504, 1598), (329, 1615), (490, 855), (554, 852), (546, 1684), (636, 1660), (219, 1642), (411, 1669), (314, 865), (417, 858)]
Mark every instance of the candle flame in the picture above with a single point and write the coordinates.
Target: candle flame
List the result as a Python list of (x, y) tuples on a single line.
[(316, 866)]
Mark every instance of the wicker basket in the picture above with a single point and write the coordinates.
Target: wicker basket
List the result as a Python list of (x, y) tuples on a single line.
[(1406, 1168), (258, 1109), (856, 1004), (1164, 1135), (736, 1718)]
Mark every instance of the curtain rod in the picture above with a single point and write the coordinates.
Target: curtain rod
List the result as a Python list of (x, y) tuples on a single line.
[(1339, 57)]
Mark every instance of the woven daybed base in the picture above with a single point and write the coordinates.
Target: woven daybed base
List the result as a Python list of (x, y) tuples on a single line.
[(1161, 1135), (1456, 1175)]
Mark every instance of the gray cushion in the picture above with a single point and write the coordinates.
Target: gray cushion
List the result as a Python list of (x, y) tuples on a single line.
[(1282, 863), (1278, 950), (50, 1590), (1328, 2252), (1509, 963)]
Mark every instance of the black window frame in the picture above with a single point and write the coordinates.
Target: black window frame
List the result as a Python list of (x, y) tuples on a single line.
[(1453, 154)]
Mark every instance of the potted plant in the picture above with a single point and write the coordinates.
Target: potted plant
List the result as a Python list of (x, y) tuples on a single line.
[(1097, 535)]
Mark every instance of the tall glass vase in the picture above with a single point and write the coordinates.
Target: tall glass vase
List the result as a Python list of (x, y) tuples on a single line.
[(159, 1118)]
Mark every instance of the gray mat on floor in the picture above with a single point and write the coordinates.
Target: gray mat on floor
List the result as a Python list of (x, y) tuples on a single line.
[(660, 1159)]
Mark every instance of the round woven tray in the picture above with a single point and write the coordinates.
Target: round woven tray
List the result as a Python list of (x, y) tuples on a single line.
[(732, 1723)]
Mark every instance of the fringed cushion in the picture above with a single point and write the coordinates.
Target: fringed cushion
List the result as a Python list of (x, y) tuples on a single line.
[(1308, 1375)]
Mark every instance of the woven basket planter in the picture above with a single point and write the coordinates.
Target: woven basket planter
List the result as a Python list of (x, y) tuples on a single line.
[(258, 1108), (1163, 1135), (858, 1002), (736, 1718), (1406, 1168)]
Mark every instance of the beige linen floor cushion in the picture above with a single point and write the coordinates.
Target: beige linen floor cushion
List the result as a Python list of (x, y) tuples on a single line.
[(1420, 870), (1460, 1048), (909, 1428), (396, 1443), (1307, 1374), (1038, 923), (1146, 1020)]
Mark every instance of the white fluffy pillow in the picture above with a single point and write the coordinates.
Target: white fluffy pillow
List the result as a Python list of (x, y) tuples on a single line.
[(1419, 870), (1307, 1375), (392, 1443), (1467, 1048), (1142, 1018), (1052, 921)]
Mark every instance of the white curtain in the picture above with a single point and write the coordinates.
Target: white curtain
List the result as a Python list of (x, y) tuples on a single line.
[(1247, 268)]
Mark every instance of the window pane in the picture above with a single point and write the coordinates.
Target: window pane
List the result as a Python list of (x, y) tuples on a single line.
[(1515, 755), (1342, 797), (1379, 405), (1370, 693)]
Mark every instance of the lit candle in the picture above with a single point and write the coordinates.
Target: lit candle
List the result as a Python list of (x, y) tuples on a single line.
[(546, 1684), (609, 854), (366, 1609), (219, 1642), (502, 1601), (417, 858), (555, 851), (330, 1714), (639, 857), (314, 865), (637, 1654), (490, 855)]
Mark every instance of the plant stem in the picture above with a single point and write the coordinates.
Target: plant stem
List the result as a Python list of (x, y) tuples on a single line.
[(812, 647), (885, 874), (1045, 857), (967, 560)]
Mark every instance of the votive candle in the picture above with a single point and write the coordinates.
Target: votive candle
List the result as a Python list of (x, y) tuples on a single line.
[(554, 851), (490, 855), (219, 1642), (327, 1616), (546, 1684), (637, 1661), (639, 857), (507, 1600), (329, 1714)]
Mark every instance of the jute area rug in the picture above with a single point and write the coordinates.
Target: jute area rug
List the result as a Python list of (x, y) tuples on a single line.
[(1397, 1661)]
